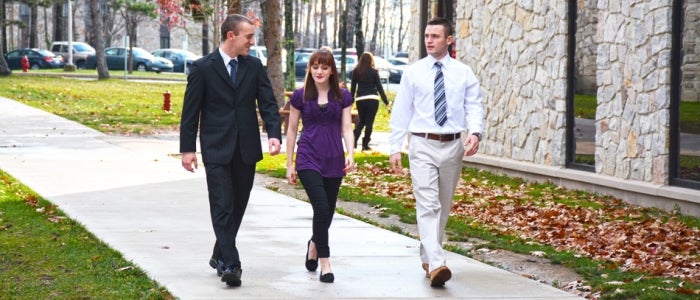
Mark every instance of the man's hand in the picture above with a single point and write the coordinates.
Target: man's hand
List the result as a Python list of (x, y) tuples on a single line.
[(471, 145), (395, 161), (189, 161), (274, 145)]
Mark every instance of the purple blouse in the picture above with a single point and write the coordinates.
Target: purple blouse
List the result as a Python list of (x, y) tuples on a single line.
[(320, 143)]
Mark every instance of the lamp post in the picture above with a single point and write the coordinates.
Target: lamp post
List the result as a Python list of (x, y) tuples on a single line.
[(69, 66)]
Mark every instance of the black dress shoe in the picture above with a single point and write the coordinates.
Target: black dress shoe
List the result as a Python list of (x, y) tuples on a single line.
[(328, 277), (311, 264), (231, 275)]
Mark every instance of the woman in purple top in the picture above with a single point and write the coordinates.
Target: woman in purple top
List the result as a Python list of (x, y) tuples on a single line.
[(325, 110)]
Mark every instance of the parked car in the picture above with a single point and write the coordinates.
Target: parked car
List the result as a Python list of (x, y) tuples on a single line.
[(301, 61), (401, 55), (393, 73), (80, 52), (143, 61), (350, 63), (182, 59), (399, 62), (38, 59), (259, 52)]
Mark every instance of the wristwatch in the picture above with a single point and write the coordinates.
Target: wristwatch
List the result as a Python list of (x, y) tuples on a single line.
[(477, 134)]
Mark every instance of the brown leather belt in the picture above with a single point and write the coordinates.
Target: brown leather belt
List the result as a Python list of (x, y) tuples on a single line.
[(439, 137)]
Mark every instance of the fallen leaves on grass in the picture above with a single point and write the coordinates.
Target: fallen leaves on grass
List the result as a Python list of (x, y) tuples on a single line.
[(598, 227)]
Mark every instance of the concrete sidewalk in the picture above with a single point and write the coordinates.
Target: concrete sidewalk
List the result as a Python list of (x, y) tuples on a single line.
[(139, 200)]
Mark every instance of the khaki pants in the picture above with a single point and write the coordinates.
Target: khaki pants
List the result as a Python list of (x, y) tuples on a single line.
[(435, 170)]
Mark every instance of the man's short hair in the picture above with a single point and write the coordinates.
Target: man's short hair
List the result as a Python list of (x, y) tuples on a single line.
[(231, 24), (449, 30)]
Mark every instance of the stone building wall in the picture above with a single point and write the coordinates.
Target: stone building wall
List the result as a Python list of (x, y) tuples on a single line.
[(632, 117), (518, 51)]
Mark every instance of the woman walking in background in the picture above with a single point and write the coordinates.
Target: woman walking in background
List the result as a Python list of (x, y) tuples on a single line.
[(321, 162), (365, 81)]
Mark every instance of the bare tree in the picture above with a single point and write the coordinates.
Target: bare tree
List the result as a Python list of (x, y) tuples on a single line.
[(401, 35), (289, 80), (96, 18), (375, 30), (307, 30), (272, 30), (134, 13), (4, 68), (322, 31), (359, 35), (234, 7)]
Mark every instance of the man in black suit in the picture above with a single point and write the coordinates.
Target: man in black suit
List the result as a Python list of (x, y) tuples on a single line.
[(220, 100)]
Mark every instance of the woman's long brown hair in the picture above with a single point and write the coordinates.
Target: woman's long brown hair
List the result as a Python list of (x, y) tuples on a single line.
[(322, 57), (363, 66)]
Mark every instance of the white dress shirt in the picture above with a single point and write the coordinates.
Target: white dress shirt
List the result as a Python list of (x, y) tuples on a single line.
[(414, 106), (227, 59)]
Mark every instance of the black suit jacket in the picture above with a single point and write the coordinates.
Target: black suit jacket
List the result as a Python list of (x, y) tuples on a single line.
[(227, 116)]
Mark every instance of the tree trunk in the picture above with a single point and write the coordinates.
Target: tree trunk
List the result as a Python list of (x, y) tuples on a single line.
[(3, 29), (375, 30), (359, 35), (350, 12), (4, 68), (96, 18), (290, 78), (399, 45), (272, 30), (307, 30), (234, 7), (322, 31), (33, 18)]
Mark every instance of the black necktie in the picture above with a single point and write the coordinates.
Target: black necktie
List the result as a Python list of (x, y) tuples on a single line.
[(440, 102), (234, 70)]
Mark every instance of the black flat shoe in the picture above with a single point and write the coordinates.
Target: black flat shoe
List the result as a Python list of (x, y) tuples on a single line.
[(328, 277), (311, 264)]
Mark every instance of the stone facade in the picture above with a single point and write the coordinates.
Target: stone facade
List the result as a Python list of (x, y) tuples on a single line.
[(632, 117), (518, 49)]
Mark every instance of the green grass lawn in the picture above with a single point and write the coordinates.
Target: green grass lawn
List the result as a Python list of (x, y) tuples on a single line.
[(45, 255)]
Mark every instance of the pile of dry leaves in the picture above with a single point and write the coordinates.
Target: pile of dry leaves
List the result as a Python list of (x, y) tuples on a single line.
[(597, 227)]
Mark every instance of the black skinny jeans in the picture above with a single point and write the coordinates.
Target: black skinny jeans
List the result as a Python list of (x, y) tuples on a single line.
[(366, 111), (323, 194)]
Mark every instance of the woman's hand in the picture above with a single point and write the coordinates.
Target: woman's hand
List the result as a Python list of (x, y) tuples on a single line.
[(349, 164), (291, 176)]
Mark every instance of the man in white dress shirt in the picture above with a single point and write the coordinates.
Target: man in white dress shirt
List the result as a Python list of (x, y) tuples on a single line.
[(435, 147)]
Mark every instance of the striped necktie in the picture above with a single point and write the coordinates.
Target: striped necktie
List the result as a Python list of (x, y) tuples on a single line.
[(440, 101)]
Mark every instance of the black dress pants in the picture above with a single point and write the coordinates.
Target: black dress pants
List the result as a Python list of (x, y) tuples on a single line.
[(229, 188), (323, 194)]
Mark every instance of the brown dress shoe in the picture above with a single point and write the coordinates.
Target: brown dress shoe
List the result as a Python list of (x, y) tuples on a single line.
[(439, 276), (427, 273)]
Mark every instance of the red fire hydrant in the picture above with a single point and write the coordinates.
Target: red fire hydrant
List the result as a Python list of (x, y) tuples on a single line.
[(25, 63), (166, 101)]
